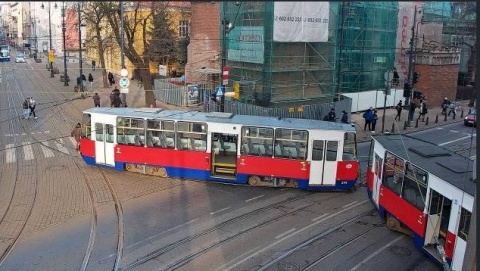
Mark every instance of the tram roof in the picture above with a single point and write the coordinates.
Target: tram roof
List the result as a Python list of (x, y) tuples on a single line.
[(445, 164), (229, 118)]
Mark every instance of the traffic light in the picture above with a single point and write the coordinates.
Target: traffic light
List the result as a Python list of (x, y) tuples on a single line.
[(416, 75), (236, 90), (407, 90)]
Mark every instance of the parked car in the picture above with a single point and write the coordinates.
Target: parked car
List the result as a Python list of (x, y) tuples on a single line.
[(20, 58), (471, 118)]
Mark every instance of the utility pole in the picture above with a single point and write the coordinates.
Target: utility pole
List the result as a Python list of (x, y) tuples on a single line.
[(80, 45), (340, 49), (410, 56), (223, 84), (64, 29), (122, 57), (50, 37)]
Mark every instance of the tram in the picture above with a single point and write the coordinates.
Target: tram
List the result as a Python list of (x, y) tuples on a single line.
[(425, 191), (222, 147), (4, 53)]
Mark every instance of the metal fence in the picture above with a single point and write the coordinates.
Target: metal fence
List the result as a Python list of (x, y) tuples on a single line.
[(172, 92)]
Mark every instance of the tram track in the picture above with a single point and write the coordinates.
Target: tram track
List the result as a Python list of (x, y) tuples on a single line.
[(21, 189), (238, 220)]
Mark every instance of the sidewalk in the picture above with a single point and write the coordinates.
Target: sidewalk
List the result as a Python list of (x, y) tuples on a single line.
[(434, 118)]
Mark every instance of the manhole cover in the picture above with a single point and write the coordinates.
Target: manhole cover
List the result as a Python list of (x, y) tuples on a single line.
[(287, 266), (56, 168), (400, 251)]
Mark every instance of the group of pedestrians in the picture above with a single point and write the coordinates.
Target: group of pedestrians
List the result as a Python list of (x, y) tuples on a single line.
[(332, 116), (28, 106), (452, 107), (371, 118)]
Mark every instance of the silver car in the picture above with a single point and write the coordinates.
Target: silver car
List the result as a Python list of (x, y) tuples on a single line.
[(20, 58)]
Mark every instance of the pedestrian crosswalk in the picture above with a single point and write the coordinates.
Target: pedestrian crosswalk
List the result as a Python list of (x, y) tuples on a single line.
[(25, 150)]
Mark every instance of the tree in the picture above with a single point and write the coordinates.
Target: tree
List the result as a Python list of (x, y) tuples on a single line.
[(100, 37), (162, 47), (137, 18)]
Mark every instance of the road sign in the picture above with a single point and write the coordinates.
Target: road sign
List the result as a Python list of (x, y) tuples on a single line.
[(124, 82), (124, 90)]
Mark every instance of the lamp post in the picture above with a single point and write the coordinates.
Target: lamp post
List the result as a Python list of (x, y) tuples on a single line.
[(80, 46), (123, 96), (50, 36), (411, 63), (64, 29)]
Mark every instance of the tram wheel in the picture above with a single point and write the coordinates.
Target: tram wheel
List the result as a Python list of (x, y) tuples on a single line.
[(254, 180)]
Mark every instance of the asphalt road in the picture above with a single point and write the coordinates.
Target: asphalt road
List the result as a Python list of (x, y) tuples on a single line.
[(56, 213)]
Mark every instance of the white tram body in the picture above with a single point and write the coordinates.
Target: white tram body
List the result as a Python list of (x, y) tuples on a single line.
[(423, 190), (222, 147)]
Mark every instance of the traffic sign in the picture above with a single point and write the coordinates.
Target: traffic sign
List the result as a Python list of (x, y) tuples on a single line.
[(124, 82), (124, 90), (51, 56)]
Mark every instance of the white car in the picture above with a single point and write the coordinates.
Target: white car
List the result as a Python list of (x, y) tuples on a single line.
[(20, 58)]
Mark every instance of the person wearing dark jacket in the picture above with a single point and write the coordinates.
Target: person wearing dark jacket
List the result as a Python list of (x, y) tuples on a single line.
[(331, 115), (399, 108), (344, 117), (374, 120)]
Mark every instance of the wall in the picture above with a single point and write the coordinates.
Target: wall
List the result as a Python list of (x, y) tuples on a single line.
[(438, 82), (374, 98), (204, 47)]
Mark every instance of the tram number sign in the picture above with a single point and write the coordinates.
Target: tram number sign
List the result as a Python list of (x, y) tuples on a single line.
[(124, 82)]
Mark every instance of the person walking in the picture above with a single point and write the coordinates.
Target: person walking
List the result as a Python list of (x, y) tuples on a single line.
[(90, 79), (374, 120), (399, 108), (93, 65), (452, 109), (96, 99), (423, 109), (331, 115), (368, 116), (76, 133), (445, 105), (26, 109), (344, 117), (411, 110), (32, 104), (110, 78)]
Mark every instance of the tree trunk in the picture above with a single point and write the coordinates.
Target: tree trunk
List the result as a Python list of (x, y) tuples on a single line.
[(101, 56), (147, 86)]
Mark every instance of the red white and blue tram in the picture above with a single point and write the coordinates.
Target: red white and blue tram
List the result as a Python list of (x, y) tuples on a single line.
[(222, 147), (423, 190)]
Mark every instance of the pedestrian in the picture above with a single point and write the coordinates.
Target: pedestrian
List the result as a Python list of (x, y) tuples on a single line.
[(331, 115), (96, 99), (93, 65), (90, 79), (83, 77), (368, 116), (111, 78), (374, 120), (445, 105), (411, 110), (423, 109), (32, 104), (115, 97), (452, 109), (344, 117), (26, 109), (76, 133), (399, 108)]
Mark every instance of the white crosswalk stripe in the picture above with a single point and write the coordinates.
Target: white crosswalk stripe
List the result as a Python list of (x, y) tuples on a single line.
[(47, 152), (28, 151), (10, 153), (61, 146)]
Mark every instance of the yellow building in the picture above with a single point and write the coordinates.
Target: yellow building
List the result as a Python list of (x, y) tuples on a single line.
[(179, 13)]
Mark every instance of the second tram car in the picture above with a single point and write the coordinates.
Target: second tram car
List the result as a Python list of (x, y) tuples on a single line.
[(222, 147), (4, 53), (425, 191)]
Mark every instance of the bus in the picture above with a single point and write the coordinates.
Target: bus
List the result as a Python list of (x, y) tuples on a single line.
[(423, 190), (222, 147)]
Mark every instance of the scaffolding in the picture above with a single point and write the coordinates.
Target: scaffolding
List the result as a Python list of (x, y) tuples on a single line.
[(359, 50)]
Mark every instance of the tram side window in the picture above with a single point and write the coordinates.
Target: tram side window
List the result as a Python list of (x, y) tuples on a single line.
[(192, 136), (109, 133), (317, 150), (378, 166), (464, 226), (257, 141), (414, 188), (393, 172), (371, 152), (291, 144), (332, 149), (349, 147), (86, 126), (131, 131), (160, 134)]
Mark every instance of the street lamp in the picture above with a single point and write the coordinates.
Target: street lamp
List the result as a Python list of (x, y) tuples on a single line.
[(50, 36), (64, 29), (80, 46)]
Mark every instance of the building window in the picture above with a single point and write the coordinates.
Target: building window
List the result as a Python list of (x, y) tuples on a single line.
[(183, 29)]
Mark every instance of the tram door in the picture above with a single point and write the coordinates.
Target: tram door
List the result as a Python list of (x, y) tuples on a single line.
[(104, 147), (224, 155), (323, 167), (438, 218)]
